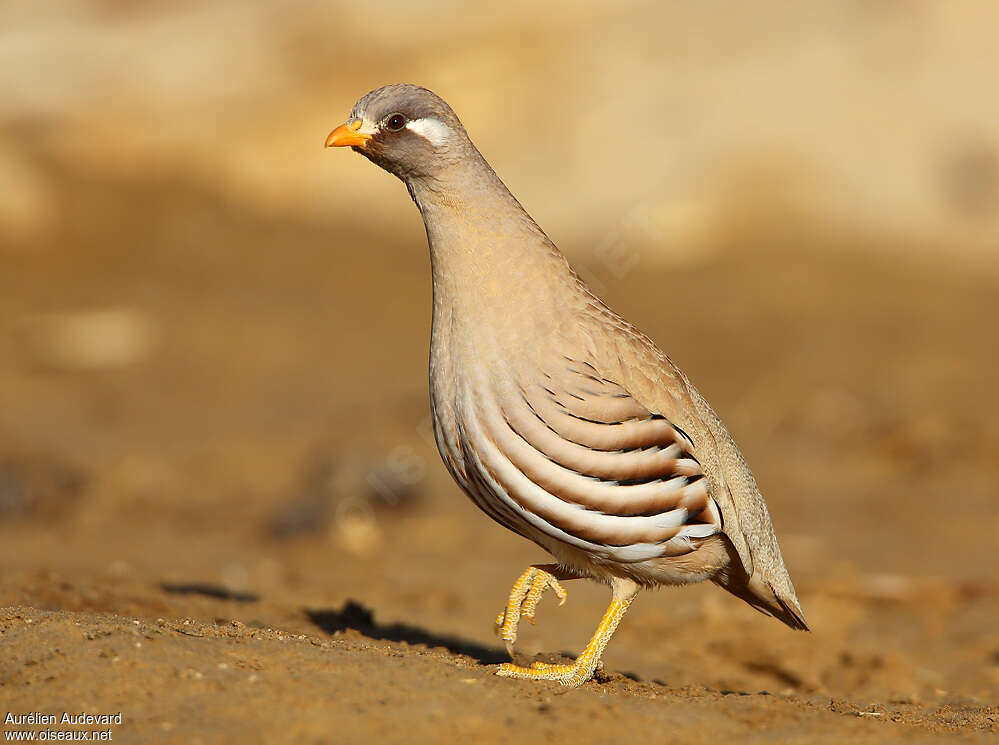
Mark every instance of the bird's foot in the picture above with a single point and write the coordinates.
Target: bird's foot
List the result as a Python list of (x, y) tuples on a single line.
[(570, 676), (586, 664), (523, 601)]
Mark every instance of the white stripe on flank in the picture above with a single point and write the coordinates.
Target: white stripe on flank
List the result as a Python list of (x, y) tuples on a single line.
[(433, 130), (536, 504)]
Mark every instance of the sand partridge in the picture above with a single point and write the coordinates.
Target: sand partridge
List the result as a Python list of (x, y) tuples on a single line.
[(557, 417)]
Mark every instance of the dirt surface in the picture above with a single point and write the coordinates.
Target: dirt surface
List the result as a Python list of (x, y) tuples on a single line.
[(222, 515)]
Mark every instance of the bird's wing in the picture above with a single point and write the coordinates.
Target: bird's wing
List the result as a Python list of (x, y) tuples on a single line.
[(658, 385), (578, 458)]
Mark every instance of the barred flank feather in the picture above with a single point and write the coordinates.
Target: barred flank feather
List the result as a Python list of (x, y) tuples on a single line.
[(579, 460)]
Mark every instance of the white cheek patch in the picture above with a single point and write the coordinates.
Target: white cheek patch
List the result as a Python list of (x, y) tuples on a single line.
[(433, 130), (367, 128)]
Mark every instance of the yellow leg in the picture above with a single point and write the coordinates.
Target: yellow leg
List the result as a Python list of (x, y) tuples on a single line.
[(524, 598), (584, 666)]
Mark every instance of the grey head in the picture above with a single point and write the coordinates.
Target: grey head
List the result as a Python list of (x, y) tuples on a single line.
[(405, 129)]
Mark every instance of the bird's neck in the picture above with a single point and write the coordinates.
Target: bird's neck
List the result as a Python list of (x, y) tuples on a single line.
[(485, 250)]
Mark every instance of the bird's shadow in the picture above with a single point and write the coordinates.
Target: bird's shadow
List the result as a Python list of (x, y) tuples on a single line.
[(208, 590), (354, 615)]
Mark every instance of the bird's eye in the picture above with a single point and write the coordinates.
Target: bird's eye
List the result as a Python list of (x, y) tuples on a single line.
[(395, 122)]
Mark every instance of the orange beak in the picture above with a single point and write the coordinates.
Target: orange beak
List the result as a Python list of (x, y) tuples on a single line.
[(346, 135)]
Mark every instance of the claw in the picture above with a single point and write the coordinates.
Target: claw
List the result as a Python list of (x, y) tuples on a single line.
[(524, 597)]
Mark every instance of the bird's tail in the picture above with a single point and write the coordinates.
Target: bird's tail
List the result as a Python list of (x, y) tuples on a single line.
[(761, 595)]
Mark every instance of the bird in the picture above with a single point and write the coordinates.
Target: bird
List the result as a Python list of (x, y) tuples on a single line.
[(557, 417)]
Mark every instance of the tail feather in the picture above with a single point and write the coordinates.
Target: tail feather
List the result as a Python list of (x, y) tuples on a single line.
[(761, 595)]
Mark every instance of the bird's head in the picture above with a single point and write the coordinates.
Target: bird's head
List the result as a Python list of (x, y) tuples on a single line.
[(405, 129)]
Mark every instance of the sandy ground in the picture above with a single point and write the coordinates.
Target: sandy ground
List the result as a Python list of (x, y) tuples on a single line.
[(222, 516)]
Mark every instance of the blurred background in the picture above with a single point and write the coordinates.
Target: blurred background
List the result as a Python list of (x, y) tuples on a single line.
[(214, 333)]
